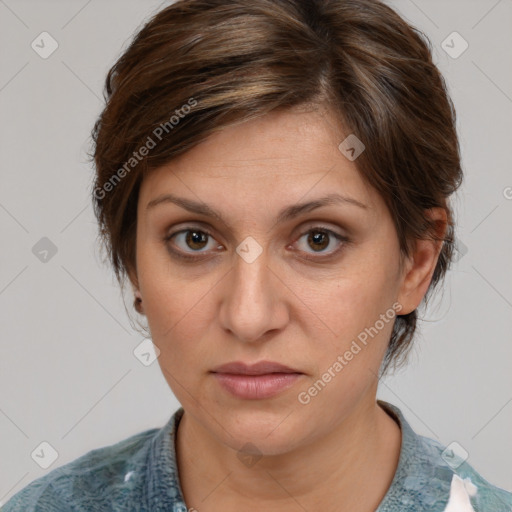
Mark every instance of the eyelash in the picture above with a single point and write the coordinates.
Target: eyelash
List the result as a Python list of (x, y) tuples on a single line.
[(315, 229)]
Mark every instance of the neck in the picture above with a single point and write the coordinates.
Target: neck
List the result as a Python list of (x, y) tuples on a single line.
[(350, 469)]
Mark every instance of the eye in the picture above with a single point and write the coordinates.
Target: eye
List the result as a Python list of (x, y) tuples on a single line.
[(319, 238), (191, 238), (200, 241)]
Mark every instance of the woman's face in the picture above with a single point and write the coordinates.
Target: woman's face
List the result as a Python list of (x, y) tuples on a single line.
[(263, 286)]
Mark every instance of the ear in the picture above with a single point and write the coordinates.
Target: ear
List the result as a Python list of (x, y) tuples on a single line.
[(420, 266), (137, 303)]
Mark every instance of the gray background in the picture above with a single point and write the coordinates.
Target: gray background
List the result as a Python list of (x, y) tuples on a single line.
[(68, 374)]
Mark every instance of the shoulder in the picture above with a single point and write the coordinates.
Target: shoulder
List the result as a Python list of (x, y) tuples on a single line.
[(436, 478), (467, 486), (99, 479)]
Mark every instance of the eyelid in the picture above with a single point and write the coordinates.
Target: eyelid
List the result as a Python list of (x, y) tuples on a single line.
[(311, 226), (189, 227), (342, 239), (320, 225), (182, 254)]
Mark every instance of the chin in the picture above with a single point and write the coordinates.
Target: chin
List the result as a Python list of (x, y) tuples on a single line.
[(270, 432), (251, 445)]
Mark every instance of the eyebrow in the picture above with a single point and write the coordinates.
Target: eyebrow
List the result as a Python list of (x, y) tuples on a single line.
[(285, 214)]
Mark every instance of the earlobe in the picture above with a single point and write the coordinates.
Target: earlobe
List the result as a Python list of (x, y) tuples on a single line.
[(137, 303), (420, 266)]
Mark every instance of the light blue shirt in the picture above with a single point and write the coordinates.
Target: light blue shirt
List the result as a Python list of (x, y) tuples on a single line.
[(139, 474)]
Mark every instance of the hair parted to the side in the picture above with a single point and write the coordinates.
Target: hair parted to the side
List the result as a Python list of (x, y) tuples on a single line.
[(198, 66)]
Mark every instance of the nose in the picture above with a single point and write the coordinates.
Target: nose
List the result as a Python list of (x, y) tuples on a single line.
[(253, 299)]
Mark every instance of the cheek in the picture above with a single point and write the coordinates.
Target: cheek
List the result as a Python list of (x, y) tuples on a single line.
[(165, 292), (176, 312), (179, 312), (356, 301), (358, 319), (357, 316)]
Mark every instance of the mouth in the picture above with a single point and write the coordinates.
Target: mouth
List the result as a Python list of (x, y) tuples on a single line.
[(258, 381), (259, 368)]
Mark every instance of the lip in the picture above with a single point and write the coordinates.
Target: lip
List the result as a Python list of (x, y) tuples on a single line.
[(259, 368), (258, 381)]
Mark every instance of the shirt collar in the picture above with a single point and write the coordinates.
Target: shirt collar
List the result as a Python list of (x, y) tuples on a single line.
[(163, 485), (421, 481)]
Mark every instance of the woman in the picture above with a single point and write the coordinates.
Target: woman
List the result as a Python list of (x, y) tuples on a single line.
[(273, 178)]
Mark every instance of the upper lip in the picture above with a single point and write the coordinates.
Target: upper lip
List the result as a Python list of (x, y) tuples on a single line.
[(259, 368)]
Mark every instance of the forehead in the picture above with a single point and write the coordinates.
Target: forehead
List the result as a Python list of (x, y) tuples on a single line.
[(283, 157)]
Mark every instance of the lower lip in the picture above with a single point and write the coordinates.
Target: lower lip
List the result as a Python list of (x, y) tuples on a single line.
[(256, 386)]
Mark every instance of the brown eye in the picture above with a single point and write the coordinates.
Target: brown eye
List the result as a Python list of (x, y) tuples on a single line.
[(196, 239), (195, 244), (317, 239), (190, 241)]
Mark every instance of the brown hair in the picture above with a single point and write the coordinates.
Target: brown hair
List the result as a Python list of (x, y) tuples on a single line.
[(199, 65)]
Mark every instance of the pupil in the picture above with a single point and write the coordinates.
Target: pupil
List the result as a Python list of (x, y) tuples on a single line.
[(193, 236), (318, 239)]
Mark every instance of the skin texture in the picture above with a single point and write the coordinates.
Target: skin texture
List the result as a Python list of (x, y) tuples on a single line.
[(340, 450)]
